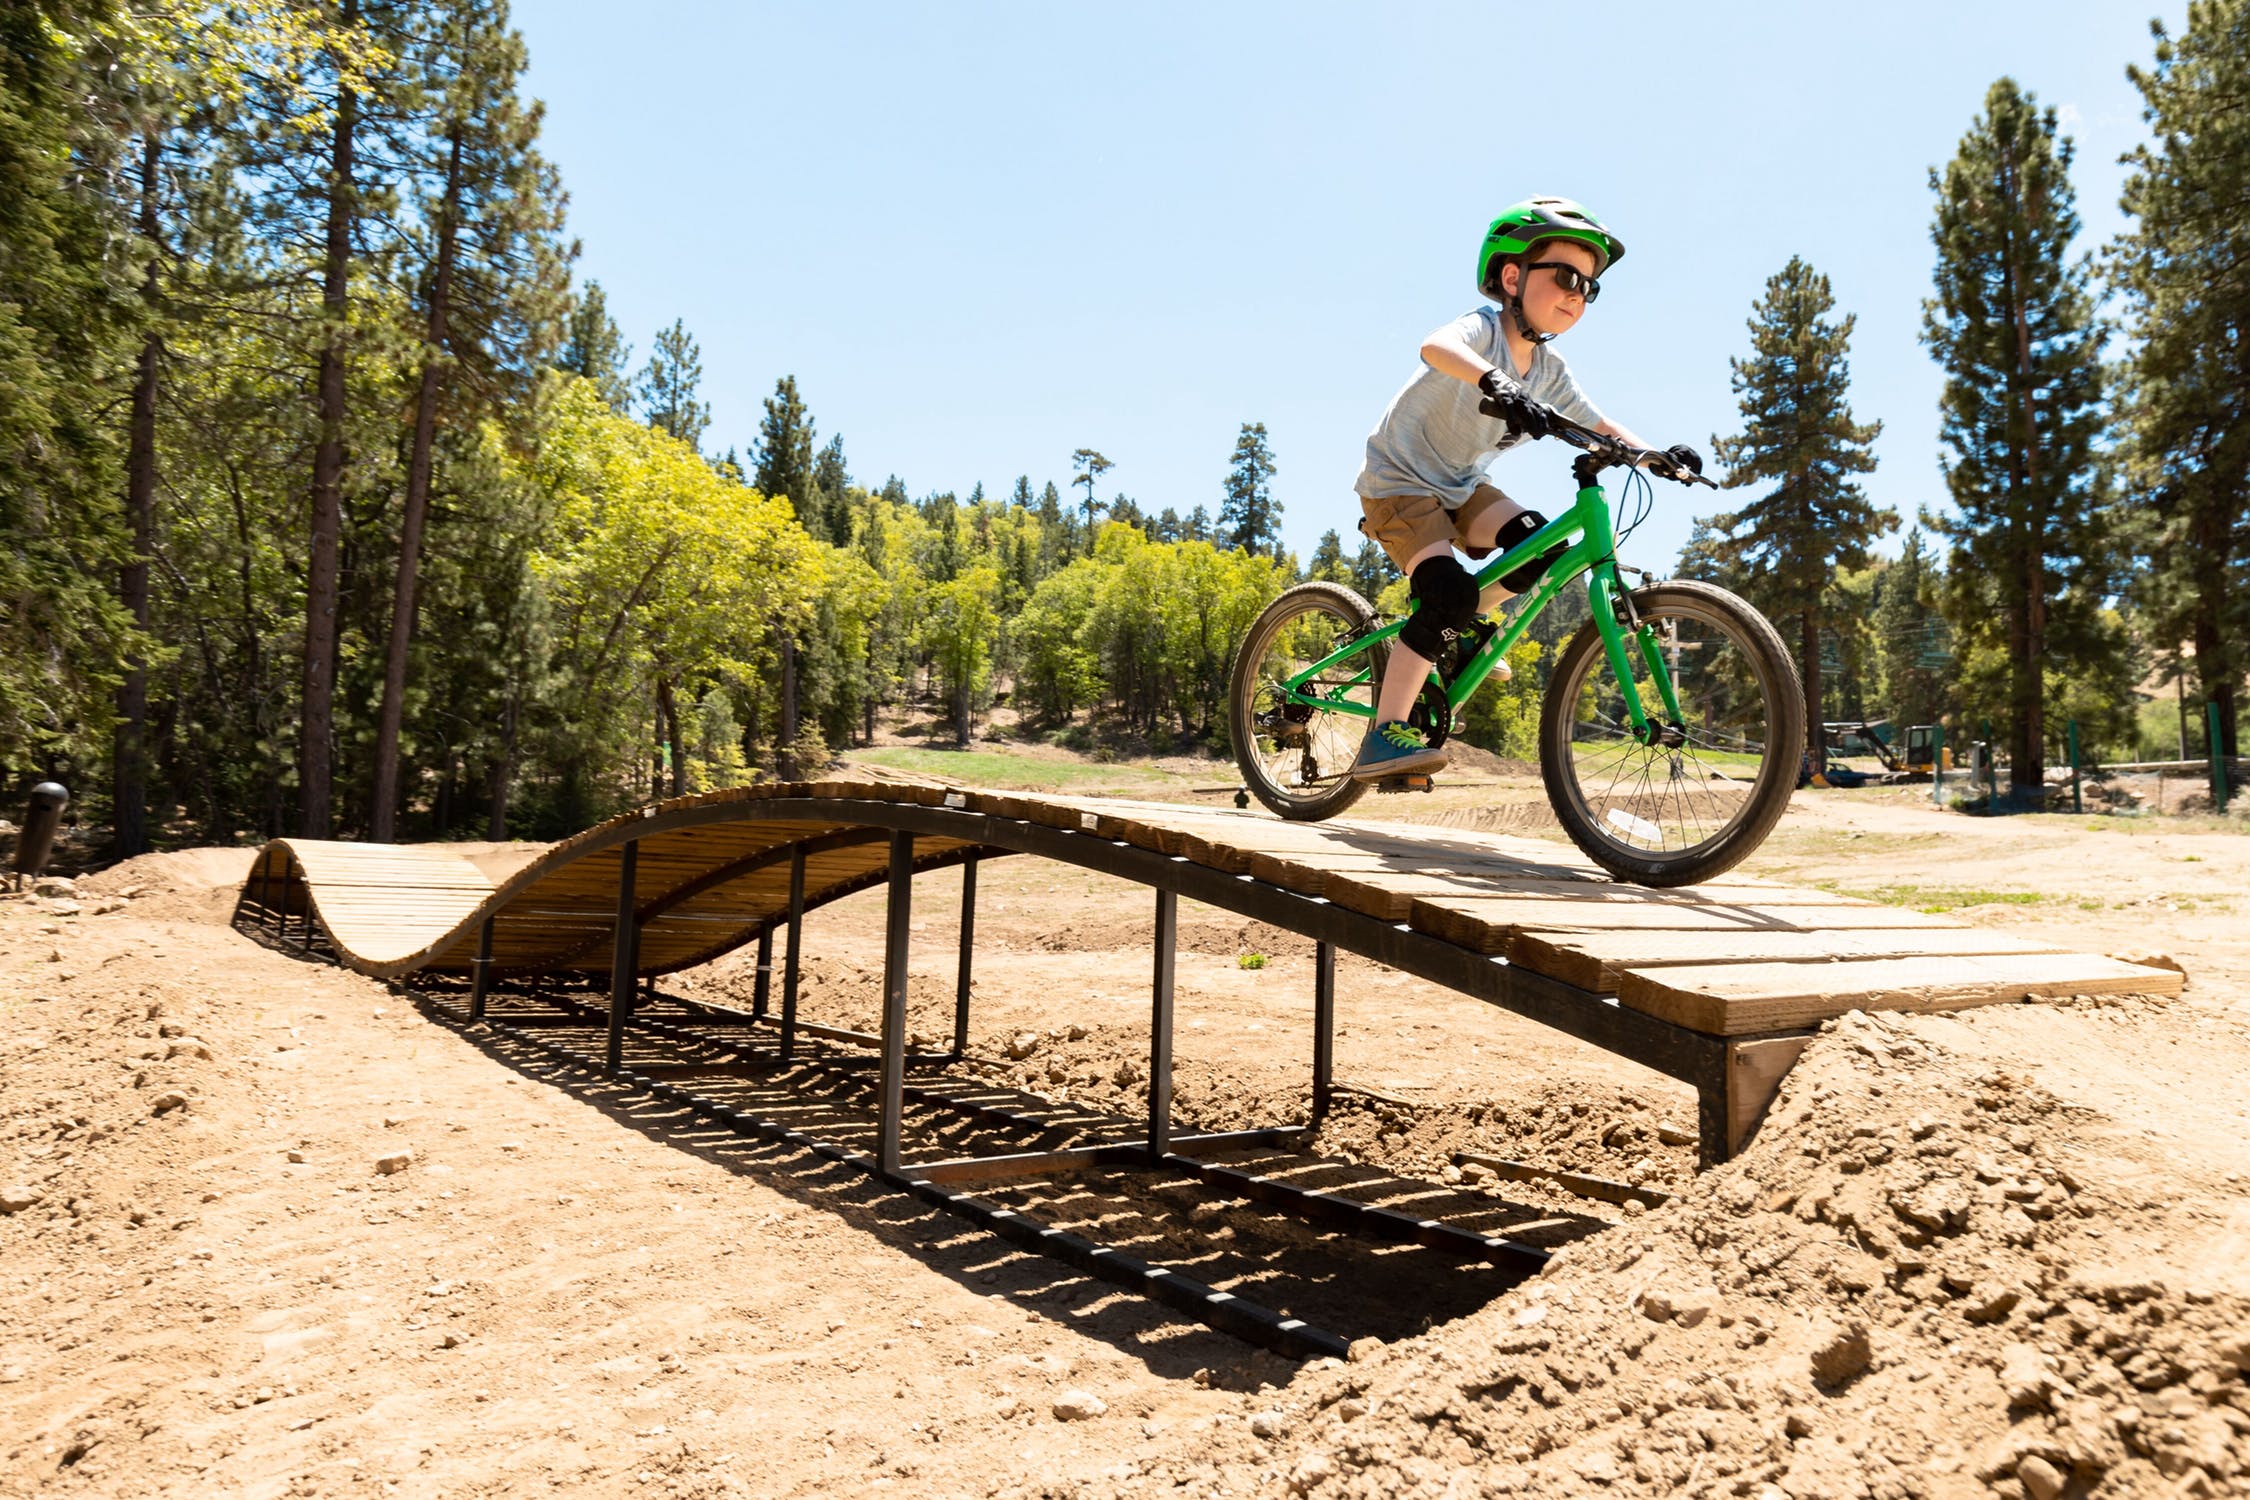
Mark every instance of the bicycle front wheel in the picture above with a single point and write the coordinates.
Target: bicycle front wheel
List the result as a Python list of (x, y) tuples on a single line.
[(1663, 813), (1296, 757)]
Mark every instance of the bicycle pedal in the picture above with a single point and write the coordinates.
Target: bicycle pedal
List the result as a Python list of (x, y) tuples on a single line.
[(1405, 784)]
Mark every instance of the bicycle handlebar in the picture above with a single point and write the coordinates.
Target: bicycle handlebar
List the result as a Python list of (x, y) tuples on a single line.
[(1609, 451)]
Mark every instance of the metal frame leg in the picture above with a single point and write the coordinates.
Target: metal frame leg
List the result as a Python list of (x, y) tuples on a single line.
[(1160, 1027), (622, 960), (892, 1100), (481, 986), (968, 949), (1324, 1029), (796, 943), (764, 988)]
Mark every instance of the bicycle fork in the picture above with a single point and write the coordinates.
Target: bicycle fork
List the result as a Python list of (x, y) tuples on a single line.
[(1617, 620)]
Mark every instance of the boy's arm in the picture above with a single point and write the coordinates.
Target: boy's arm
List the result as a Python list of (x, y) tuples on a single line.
[(1446, 352)]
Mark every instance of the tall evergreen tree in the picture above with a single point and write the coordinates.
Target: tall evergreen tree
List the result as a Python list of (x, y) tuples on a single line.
[(1372, 571), (492, 288), (2184, 266), (1912, 658), (831, 489), (1091, 466), (1054, 532), (783, 461), (1328, 559), (670, 383), (594, 347), (65, 638), (1800, 442), (1250, 517), (2013, 326)]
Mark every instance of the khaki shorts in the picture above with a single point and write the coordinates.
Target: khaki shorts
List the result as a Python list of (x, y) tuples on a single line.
[(1403, 525)]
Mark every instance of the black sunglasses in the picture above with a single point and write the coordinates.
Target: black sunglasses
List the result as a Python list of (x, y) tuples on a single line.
[(1569, 280)]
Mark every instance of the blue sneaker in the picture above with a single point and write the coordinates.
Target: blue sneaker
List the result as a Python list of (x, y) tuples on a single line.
[(1396, 749)]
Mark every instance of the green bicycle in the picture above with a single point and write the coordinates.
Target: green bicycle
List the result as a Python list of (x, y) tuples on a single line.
[(1672, 726)]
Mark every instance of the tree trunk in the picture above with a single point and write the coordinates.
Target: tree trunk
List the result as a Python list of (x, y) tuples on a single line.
[(501, 773), (383, 821), (668, 726), (785, 747), (1816, 737), (129, 757), (315, 755)]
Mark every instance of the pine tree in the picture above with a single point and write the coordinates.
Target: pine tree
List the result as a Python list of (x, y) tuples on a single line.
[(831, 493), (2184, 267), (1091, 466), (65, 632), (784, 455), (1328, 559), (1054, 530), (594, 347), (2013, 326), (1250, 517), (1911, 653), (492, 292), (670, 382), (1198, 525), (1799, 439), (1372, 571)]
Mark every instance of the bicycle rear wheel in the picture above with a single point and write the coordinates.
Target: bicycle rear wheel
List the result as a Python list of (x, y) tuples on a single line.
[(1297, 758), (1671, 814)]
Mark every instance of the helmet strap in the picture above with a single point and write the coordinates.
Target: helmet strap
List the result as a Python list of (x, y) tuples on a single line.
[(1515, 303)]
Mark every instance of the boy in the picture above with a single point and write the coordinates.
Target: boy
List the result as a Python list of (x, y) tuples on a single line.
[(1489, 382)]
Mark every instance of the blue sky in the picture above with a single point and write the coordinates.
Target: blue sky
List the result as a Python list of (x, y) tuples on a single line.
[(984, 235)]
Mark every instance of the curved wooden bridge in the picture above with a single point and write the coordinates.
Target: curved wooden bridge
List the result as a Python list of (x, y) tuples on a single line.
[(1717, 985)]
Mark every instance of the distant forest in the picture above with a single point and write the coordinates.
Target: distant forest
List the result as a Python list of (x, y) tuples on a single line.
[(335, 505)]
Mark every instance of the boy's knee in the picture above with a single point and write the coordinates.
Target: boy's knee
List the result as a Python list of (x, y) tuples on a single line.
[(1447, 595)]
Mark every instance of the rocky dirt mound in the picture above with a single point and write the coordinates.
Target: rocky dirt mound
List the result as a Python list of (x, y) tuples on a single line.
[(1902, 1289)]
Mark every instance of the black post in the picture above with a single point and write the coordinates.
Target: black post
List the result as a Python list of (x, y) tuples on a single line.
[(622, 958), (789, 964), (892, 1102), (764, 989), (1160, 1028), (1324, 1028), (482, 984), (968, 948)]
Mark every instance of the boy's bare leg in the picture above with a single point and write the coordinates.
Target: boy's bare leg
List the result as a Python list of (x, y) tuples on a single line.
[(1408, 668)]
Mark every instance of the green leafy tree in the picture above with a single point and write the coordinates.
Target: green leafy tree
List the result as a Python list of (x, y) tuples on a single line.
[(2013, 326), (1800, 443), (2184, 269), (669, 385), (1250, 517), (959, 626)]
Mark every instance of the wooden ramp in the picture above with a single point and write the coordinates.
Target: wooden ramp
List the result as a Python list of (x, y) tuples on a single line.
[(1714, 984)]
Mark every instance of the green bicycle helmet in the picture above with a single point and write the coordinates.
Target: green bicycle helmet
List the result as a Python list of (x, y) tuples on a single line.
[(1523, 225)]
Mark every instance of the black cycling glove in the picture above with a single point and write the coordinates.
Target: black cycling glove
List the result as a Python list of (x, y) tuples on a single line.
[(1511, 405), (1684, 457)]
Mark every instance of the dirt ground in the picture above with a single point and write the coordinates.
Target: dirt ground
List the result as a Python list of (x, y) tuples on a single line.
[(2005, 1252)]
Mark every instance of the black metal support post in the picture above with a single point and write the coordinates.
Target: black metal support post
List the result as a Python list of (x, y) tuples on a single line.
[(789, 963), (1160, 1027), (968, 949), (891, 1103), (622, 957), (1324, 1028), (764, 989), (481, 985)]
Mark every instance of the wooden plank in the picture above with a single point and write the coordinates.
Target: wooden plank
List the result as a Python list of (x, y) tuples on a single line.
[(1594, 960), (1754, 1074), (1490, 925), (1733, 999)]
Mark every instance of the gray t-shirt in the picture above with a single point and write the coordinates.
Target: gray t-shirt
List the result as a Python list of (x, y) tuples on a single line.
[(1433, 440)]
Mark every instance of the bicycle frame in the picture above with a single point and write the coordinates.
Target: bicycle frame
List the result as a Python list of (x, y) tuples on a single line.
[(1591, 534)]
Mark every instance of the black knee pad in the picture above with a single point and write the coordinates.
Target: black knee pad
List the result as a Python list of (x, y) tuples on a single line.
[(1448, 598), (1514, 533)]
